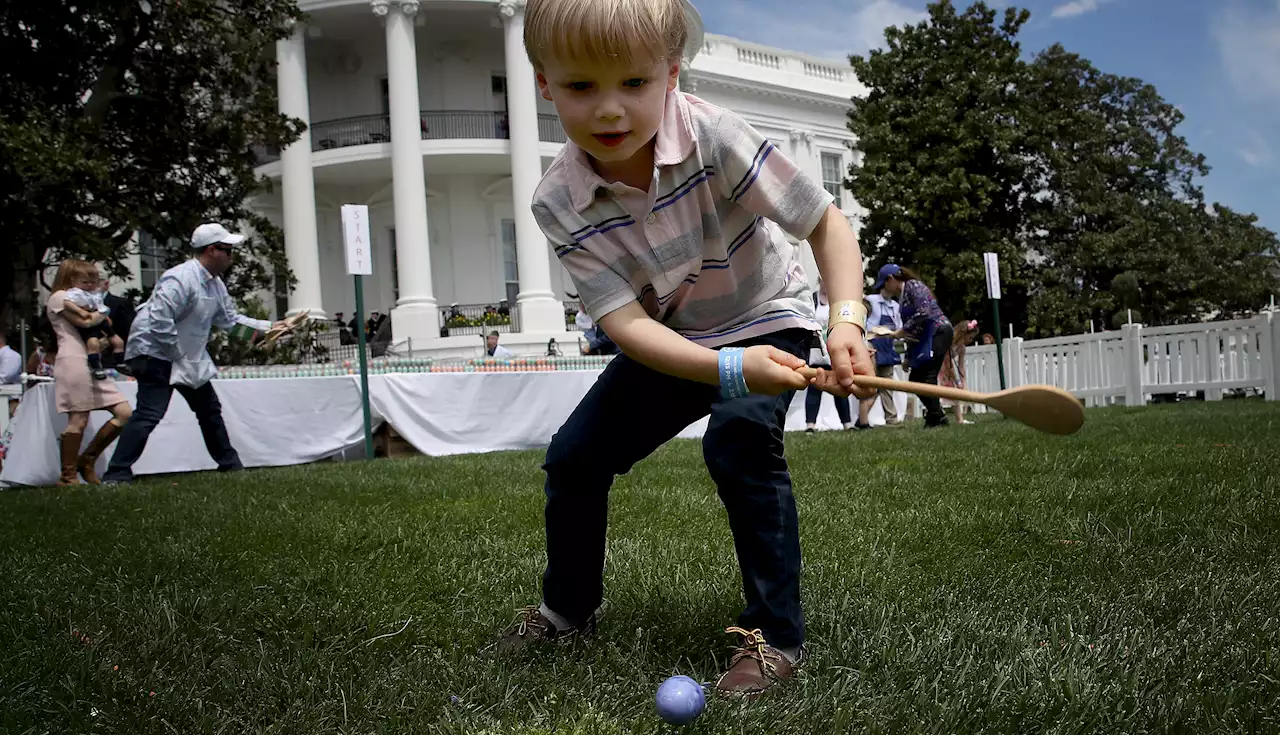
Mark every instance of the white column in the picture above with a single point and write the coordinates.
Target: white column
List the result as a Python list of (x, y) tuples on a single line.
[(802, 156), (540, 310), (297, 182), (415, 315)]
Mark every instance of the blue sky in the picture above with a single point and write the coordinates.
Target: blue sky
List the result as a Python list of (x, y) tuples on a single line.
[(1217, 60)]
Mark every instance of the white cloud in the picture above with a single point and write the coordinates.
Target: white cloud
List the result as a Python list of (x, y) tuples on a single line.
[(1251, 157), (1255, 152), (1249, 51), (827, 28), (1074, 8), (871, 20)]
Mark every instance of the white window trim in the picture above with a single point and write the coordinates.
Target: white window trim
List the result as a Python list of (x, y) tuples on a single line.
[(844, 197), (502, 260), (157, 267)]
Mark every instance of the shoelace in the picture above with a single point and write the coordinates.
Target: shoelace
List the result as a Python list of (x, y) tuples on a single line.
[(529, 616), (755, 646)]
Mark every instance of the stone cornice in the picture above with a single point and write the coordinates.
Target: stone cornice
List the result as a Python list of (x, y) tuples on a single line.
[(700, 77), (814, 135)]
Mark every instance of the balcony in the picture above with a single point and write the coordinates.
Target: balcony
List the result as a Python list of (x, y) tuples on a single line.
[(435, 124), (481, 319)]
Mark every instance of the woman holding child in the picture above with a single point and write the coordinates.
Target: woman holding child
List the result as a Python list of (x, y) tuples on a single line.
[(76, 390)]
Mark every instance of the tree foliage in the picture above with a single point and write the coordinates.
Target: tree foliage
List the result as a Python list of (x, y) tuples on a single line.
[(941, 168), (1074, 176), (126, 115)]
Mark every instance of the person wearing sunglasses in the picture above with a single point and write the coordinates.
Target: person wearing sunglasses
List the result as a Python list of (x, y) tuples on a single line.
[(167, 350)]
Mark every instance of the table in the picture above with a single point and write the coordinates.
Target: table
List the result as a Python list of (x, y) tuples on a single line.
[(288, 421)]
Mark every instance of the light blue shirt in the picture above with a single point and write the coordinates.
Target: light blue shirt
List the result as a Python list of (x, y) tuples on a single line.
[(10, 366), (174, 323), (91, 300), (884, 312)]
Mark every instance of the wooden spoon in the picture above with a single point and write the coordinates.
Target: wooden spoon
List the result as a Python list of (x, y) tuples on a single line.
[(290, 323), (1042, 407)]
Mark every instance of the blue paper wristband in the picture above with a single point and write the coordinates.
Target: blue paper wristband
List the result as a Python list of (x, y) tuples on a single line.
[(733, 382)]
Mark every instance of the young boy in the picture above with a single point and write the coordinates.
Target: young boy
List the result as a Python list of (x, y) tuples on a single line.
[(666, 210), (85, 303)]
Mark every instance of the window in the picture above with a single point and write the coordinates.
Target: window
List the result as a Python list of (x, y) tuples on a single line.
[(385, 90), (282, 295), (153, 257), (498, 85), (833, 176), (510, 262)]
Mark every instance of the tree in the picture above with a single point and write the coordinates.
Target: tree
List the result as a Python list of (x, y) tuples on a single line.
[(942, 169), (1114, 184), (126, 115), (1074, 176), (1230, 273), (1120, 208)]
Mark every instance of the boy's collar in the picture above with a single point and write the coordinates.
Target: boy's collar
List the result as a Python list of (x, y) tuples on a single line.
[(675, 140), (673, 144)]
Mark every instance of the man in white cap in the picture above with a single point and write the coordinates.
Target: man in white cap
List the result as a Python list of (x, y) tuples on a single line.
[(167, 350)]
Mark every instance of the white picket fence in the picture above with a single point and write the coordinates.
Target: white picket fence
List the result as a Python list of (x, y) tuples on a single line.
[(1132, 364)]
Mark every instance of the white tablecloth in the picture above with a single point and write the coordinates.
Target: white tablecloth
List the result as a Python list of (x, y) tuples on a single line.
[(287, 421)]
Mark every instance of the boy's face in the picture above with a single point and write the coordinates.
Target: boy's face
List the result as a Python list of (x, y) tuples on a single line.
[(612, 113)]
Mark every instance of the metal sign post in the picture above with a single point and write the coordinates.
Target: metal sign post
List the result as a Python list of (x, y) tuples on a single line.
[(992, 263), (355, 236)]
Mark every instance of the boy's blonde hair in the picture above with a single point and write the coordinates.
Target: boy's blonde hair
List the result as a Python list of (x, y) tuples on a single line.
[(605, 32)]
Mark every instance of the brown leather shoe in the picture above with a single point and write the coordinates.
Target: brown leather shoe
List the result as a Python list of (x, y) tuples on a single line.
[(70, 445), (756, 667), (533, 627), (87, 461)]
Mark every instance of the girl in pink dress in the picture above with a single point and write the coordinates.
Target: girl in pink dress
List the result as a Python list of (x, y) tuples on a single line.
[(952, 373), (75, 391)]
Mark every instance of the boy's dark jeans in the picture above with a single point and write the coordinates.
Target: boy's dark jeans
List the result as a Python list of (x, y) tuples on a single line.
[(630, 412), (154, 392)]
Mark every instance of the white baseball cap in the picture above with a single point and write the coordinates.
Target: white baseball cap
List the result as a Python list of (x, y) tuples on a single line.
[(214, 234)]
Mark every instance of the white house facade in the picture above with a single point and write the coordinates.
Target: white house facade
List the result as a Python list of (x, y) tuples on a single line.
[(427, 111)]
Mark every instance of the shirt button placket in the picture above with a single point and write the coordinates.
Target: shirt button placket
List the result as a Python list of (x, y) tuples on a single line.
[(652, 233)]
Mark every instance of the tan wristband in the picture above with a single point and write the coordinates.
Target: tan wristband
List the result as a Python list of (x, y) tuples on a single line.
[(848, 312)]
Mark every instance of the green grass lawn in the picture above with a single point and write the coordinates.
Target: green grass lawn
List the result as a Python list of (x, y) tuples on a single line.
[(975, 579)]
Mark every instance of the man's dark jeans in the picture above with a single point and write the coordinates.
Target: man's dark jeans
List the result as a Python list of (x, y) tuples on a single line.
[(154, 393)]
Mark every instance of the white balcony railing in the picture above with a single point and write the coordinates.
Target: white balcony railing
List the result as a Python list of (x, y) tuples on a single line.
[(435, 125), (734, 57)]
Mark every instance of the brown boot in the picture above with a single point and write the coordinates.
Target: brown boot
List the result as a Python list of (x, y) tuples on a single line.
[(70, 444), (756, 667), (101, 441)]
